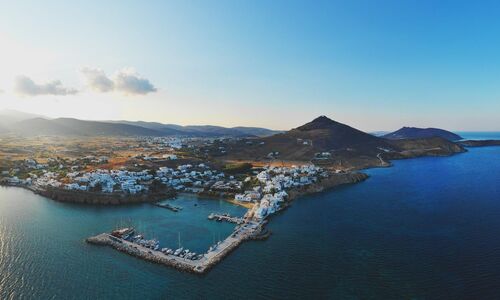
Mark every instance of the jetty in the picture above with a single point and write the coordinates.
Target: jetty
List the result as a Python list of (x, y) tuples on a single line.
[(167, 206), (226, 217), (249, 230)]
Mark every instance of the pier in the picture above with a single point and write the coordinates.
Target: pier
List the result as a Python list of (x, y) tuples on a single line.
[(168, 206), (227, 218), (209, 259)]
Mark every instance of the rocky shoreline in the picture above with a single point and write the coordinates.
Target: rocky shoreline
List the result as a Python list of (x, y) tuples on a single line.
[(95, 198), (480, 143), (328, 183), (83, 197)]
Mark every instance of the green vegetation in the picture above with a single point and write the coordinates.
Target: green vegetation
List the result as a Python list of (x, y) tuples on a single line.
[(238, 168)]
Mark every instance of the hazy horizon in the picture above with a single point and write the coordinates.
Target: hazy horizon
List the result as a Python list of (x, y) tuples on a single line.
[(7, 111), (264, 64)]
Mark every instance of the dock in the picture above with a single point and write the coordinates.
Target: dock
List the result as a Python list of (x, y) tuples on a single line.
[(209, 259), (168, 206), (227, 218)]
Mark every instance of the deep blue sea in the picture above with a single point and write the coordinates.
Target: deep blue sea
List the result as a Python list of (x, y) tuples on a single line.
[(426, 228)]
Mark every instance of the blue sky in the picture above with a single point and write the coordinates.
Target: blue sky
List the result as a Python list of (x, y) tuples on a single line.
[(376, 65)]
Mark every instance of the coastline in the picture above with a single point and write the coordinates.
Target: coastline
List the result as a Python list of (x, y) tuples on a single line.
[(95, 198), (216, 197), (326, 184), (479, 143), (233, 241)]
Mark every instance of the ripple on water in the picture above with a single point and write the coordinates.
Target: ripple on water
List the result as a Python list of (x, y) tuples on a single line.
[(426, 228)]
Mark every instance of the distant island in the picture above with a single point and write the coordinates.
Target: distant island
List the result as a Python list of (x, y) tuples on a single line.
[(415, 133)]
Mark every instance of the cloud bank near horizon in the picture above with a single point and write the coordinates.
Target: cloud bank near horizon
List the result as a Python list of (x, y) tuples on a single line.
[(126, 81), (26, 86)]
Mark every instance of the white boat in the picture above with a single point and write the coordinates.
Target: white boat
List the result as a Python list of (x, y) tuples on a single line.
[(178, 251)]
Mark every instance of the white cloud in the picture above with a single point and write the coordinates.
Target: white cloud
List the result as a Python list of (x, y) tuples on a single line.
[(97, 80), (26, 86), (129, 82), (126, 81)]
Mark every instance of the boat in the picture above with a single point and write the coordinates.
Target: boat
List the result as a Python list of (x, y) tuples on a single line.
[(120, 233)]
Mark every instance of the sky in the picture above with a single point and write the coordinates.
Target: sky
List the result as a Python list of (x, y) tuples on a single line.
[(375, 65)]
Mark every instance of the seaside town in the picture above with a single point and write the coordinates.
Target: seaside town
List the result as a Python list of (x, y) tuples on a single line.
[(264, 187), (267, 194), (124, 170), (176, 165)]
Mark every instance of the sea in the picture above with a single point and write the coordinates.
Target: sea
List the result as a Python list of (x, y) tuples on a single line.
[(426, 228)]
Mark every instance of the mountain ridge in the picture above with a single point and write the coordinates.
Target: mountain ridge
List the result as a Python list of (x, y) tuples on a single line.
[(31, 124)]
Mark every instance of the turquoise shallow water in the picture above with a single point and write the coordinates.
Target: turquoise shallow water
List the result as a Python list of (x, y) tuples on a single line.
[(424, 229)]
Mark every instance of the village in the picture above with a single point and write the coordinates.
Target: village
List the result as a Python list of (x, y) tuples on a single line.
[(173, 164), (264, 188)]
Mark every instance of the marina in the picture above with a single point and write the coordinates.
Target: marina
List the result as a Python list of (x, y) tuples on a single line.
[(126, 241)]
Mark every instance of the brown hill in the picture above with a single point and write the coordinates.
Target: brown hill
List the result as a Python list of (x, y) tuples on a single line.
[(305, 142), (325, 141)]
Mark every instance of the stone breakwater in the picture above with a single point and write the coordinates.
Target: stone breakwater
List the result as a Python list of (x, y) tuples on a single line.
[(199, 266)]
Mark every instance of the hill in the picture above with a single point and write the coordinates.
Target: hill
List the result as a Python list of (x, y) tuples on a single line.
[(203, 130), (257, 131), (31, 124), (432, 146), (305, 142), (74, 127), (414, 133), (9, 117), (338, 145)]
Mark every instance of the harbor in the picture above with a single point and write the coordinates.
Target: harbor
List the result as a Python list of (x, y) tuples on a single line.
[(127, 241)]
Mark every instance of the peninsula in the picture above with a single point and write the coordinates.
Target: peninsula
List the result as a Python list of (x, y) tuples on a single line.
[(263, 174)]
